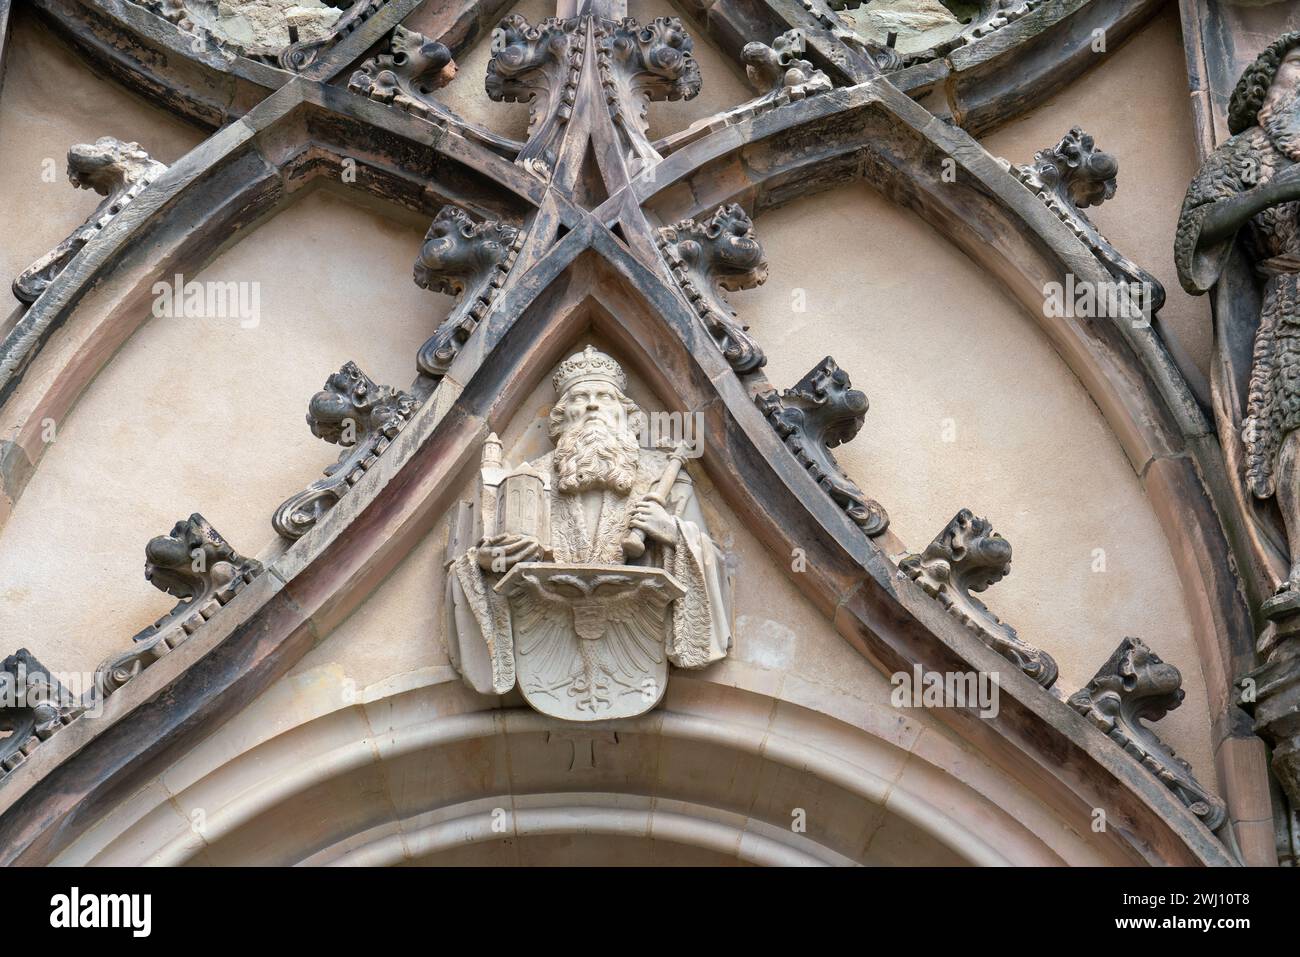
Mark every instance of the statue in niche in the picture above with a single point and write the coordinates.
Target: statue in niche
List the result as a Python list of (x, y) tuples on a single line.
[(1250, 185), (591, 568)]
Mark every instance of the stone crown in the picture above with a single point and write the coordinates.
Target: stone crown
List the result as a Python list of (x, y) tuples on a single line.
[(588, 364)]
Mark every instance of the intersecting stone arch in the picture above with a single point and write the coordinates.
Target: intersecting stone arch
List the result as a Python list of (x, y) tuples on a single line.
[(590, 277)]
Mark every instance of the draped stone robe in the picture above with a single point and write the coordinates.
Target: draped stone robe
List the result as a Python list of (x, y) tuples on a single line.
[(1272, 237), (478, 619)]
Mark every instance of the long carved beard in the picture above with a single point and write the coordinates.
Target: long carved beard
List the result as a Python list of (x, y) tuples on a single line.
[(1282, 124), (592, 456)]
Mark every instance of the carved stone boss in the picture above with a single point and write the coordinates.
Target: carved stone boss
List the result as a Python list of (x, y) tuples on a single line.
[(542, 66), (117, 171), (781, 71), (968, 556), (1132, 686), (583, 574), (823, 410)]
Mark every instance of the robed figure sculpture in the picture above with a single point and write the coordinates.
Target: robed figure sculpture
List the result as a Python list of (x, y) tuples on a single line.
[(1250, 185), (590, 569)]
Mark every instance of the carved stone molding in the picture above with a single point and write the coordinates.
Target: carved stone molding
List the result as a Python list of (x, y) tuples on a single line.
[(1135, 684), (706, 258), (823, 410), (781, 70), (639, 65), (968, 556), (115, 170), (1068, 178), (33, 705), (467, 259), (362, 417), (195, 564), (539, 66), (407, 73)]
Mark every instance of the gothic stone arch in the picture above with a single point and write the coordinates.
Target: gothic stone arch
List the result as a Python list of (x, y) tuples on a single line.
[(589, 228)]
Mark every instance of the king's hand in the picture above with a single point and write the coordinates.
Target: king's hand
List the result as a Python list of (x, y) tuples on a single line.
[(653, 519), (500, 553)]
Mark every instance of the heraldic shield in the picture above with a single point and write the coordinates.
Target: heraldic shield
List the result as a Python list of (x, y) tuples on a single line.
[(590, 640)]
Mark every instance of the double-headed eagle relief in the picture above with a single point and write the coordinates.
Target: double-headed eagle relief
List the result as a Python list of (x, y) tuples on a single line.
[(591, 568)]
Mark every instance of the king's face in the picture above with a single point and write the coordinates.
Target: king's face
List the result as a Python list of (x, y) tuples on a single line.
[(593, 400), (1286, 83)]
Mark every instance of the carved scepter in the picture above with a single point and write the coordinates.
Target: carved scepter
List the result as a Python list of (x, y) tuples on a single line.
[(634, 543)]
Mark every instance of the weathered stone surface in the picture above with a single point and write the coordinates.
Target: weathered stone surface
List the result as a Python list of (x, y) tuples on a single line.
[(364, 418), (1133, 686), (407, 74), (708, 257), (115, 170), (968, 556), (465, 259), (821, 411), (195, 564)]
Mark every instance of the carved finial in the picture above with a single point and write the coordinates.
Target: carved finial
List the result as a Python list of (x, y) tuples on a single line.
[(33, 705), (968, 556), (1068, 178), (639, 65), (706, 258), (407, 74), (462, 258), (780, 69), (195, 564), (539, 66), (823, 410), (1132, 685), (354, 412), (117, 171)]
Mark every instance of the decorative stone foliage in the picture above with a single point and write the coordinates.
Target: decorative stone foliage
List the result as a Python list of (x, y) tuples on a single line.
[(639, 65), (195, 564), (823, 410), (362, 417), (467, 259), (968, 556), (706, 258), (921, 30), (1135, 685), (781, 70), (1073, 175), (407, 73), (33, 705), (117, 171), (539, 66)]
